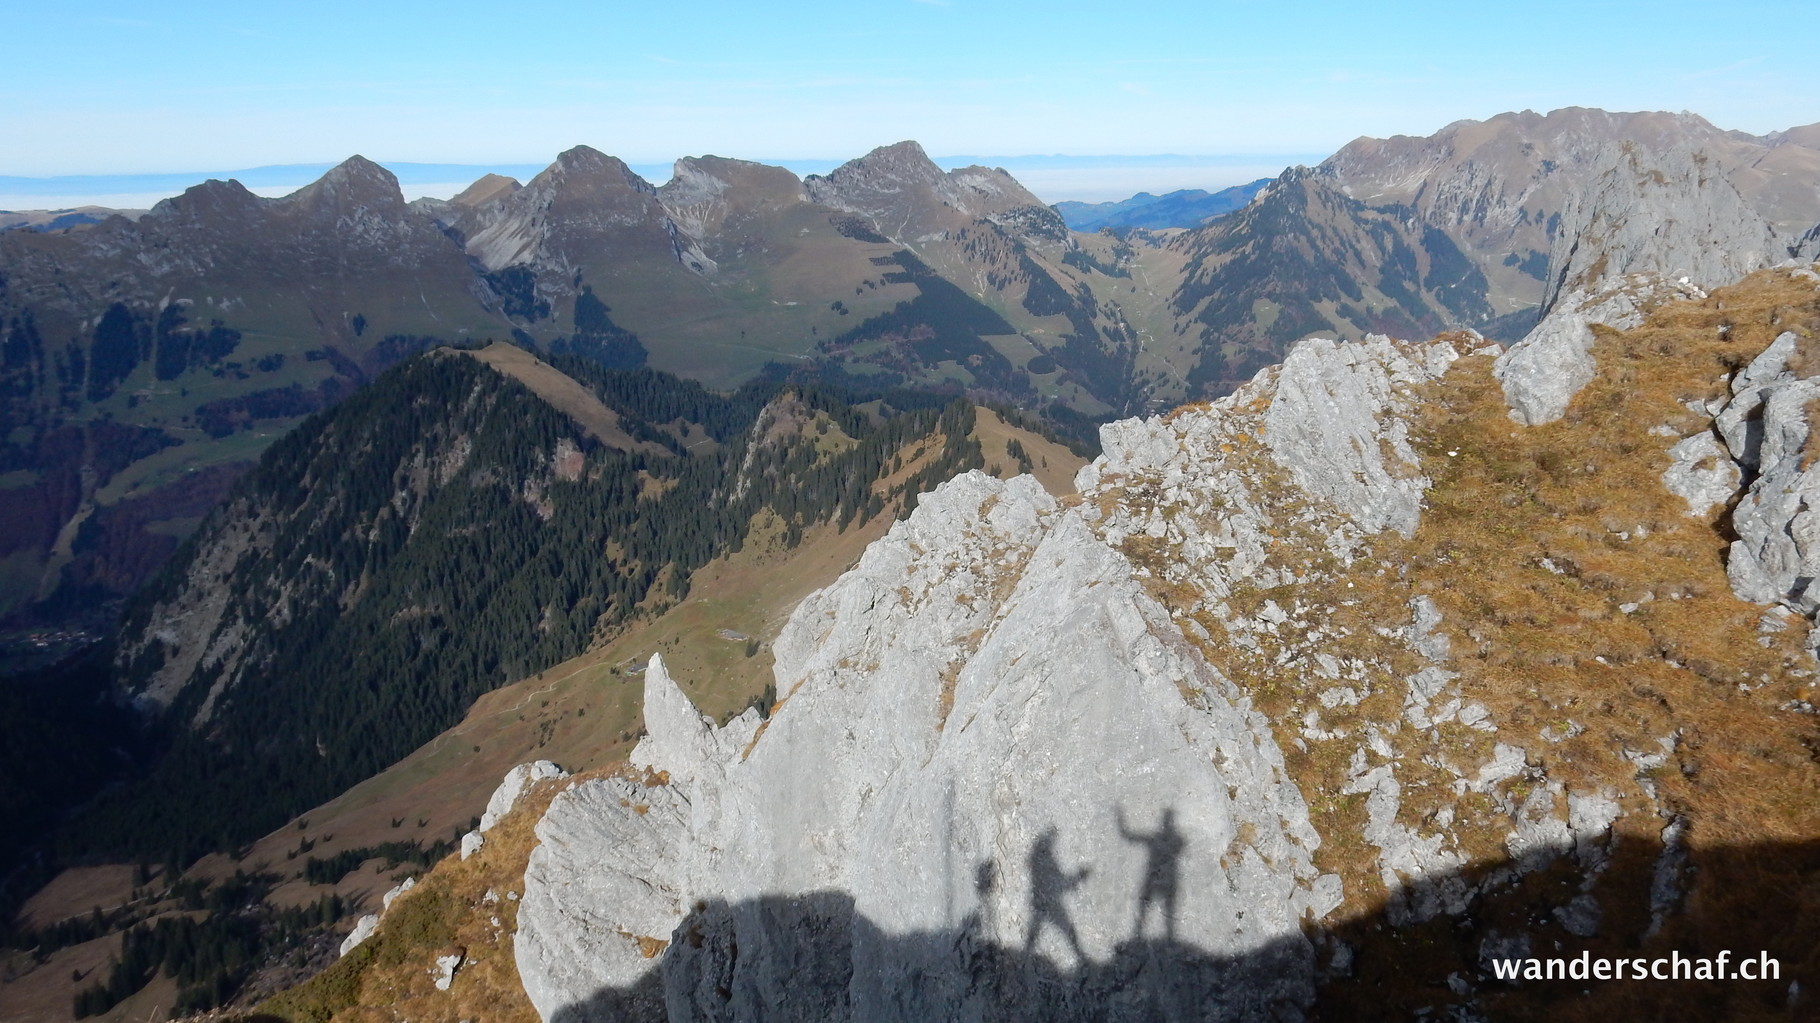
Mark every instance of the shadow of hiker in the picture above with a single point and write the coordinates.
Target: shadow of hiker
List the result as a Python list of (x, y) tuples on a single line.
[(813, 956), (1162, 871), (1049, 886)]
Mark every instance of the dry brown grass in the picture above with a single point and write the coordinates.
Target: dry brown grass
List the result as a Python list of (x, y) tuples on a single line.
[(391, 975), (1541, 646), (78, 891), (1531, 541), (1052, 464), (564, 393)]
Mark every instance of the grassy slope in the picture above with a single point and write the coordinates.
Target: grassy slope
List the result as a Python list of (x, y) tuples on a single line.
[(1567, 672), (563, 393), (769, 301)]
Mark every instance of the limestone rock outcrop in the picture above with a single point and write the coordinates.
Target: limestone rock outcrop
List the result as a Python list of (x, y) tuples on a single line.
[(1038, 759), (516, 781), (1653, 227), (1766, 427), (1542, 373), (365, 927), (995, 753), (985, 723), (1806, 249)]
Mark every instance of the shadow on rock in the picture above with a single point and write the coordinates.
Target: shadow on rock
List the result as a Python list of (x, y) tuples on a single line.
[(814, 958)]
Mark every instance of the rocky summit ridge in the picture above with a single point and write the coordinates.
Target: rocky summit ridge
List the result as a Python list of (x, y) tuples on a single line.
[(990, 728), (1142, 752)]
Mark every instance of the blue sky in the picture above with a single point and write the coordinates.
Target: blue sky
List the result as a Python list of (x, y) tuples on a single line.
[(117, 88)]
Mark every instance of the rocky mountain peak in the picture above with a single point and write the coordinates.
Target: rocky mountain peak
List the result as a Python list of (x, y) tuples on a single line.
[(212, 199), (705, 190), (584, 168), (357, 171), (742, 182), (899, 165), (485, 189), (357, 189), (565, 213), (911, 199)]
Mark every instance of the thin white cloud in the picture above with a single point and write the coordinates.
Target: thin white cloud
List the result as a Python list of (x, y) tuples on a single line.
[(1725, 69)]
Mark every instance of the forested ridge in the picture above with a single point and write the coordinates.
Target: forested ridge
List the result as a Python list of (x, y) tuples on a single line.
[(443, 532)]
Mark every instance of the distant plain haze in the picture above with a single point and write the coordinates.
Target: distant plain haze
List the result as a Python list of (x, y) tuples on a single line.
[(188, 86), (1052, 178)]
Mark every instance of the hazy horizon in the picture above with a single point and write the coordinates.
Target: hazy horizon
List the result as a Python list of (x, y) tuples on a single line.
[(170, 85), (1052, 177)]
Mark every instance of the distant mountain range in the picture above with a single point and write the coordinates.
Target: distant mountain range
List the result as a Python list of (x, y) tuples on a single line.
[(1049, 175), (1188, 207), (145, 362)]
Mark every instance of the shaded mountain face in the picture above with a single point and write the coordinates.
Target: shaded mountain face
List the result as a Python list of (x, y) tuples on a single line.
[(145, 362), (1304, 258), (464, 521)]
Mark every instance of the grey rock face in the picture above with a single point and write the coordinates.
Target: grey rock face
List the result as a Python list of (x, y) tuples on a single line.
[(1777, 554), (1806, 249), (1653, 226), (516, 781), (1703, 474), (1740, 421), (1327, 426), (991, 738), (1670, 212), (363, 929), (444, 971), (368, 924), (1002, 781), (1542, 373), (706, 192)]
